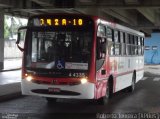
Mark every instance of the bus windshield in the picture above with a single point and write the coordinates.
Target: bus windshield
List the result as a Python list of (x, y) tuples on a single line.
[(59, 49)]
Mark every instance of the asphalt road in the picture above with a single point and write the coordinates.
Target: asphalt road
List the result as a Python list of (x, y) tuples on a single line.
[(143, 103)]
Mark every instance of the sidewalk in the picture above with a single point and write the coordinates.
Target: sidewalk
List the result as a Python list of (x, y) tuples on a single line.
[(12, 64), (10, 79)]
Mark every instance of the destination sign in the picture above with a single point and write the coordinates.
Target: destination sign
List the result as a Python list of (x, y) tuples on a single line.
[(58, 22), (61, 21)]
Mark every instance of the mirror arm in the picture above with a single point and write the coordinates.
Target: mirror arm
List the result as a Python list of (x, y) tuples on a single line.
[(21, 49)]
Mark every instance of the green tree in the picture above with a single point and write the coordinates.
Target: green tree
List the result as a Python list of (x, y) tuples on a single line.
[(11, 28), (6, 29)]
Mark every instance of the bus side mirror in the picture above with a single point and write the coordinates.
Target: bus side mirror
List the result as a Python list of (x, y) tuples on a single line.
[(21, 38), (101, 47), (18, 38)]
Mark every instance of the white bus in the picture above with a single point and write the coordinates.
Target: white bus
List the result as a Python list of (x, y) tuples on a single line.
[(79, 57)]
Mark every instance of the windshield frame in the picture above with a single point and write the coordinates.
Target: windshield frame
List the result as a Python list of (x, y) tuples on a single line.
[(51, 29)]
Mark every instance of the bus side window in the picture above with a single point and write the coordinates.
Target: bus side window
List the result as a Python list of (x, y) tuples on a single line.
[(142, 45), (101, 42), (139, 46), (110, 40), (101, 32), (136, 44), (109, 34), (128, 44), (132, 44), (101, 46), (117, 42), (123, 45)]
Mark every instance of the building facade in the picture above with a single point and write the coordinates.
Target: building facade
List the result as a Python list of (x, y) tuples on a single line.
[(152, 49)]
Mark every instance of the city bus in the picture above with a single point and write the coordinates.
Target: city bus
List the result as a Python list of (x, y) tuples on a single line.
[(77, 56)]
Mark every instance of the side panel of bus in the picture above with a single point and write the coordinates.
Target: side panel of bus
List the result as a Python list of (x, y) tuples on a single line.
[(125, 68), (124, 58)]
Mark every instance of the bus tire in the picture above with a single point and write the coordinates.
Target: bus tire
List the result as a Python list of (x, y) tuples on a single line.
[(109, 91), (132, 87), (51, 100)]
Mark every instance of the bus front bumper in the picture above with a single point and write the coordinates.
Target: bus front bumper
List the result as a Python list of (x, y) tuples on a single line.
[(81, 91)]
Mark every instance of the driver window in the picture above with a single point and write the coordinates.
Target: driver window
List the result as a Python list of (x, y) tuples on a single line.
[(101, 46)]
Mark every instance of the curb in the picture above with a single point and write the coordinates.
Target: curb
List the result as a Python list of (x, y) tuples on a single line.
[(5, 70), (10, 91)]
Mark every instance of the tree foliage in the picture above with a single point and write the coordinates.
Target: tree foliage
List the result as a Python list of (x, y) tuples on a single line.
[(6, 30), (11, 25)]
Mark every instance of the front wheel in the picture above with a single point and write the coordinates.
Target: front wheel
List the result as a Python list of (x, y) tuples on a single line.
[(104, 100)]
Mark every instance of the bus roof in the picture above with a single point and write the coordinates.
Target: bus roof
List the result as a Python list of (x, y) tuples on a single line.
[(118, 26)]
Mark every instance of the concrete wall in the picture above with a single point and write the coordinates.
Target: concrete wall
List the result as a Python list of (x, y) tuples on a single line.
[(1, 40), (152, 49)]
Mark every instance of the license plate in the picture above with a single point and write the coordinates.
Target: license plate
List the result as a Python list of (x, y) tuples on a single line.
[(54, 90)]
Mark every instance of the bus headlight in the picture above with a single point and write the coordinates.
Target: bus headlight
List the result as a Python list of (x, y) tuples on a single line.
[(29, 78), (84, 80)]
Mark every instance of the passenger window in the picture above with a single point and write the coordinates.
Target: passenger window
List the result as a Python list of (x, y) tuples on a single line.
[(132, 45), (101, 31), (116, 36), (101, 46), (109, 34), (117, 43), (128, 44), (136, 44), (136, 40), (139, 43), (111, 49), (110, 38), (121, 37), (142, 45), (139, 46), (123, 45)]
